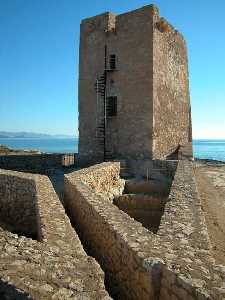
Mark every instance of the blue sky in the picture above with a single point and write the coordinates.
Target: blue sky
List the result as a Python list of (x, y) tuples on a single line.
[(39, 60)]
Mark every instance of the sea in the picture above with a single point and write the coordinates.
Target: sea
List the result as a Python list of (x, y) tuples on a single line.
[(206, 149)]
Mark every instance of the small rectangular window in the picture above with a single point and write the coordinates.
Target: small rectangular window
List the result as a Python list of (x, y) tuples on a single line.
[(111, 106), (112, 62)]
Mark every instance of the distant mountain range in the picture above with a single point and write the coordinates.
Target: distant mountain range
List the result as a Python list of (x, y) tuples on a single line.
[(5, 134)]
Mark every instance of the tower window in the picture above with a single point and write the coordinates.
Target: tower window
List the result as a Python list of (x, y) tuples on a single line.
[(111, 106), (112, 62)]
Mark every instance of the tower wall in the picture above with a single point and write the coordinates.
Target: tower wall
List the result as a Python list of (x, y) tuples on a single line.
[(131, 130), (91, 63), (171, 105), (150, 82), (129, 37)]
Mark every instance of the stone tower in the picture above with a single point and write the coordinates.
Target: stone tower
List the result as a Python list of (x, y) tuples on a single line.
[(133, 87)]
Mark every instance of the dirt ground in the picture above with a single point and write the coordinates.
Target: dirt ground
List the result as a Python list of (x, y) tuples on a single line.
[(210, 177)]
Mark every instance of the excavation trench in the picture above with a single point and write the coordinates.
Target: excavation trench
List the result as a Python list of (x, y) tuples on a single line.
[(100, 226), (144, 208), (144, 201), (90, 251), (18, 206)]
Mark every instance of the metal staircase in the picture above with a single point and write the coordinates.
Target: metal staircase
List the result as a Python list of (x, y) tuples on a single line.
[(100, 114), (102, 111)]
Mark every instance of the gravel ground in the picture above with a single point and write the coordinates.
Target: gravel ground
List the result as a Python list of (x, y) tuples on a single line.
[(210, 177)]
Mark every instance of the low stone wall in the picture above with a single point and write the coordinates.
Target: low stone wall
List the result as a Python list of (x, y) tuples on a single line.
[(145, 209), (57, 267), (18, 209), (153, 169), (174, 263), (103, 179), (101, 227), (34, 163), (183, 231), (147, 187), (181, 152)]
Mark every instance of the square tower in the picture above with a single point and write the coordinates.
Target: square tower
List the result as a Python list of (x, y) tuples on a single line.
[(133, 87)]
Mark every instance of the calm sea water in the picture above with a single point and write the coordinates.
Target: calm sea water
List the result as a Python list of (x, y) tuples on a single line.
[(57, 145), (211, 149)]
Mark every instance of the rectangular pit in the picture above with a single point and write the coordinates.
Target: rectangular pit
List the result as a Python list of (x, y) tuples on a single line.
[(145, 195), (109, 234), (139, 264), (146, 209), (18, 211)]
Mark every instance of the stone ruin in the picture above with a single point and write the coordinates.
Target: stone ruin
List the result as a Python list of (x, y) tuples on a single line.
[(134, 98), (149, 236), (129, 229), (128, 235), (41, 255)]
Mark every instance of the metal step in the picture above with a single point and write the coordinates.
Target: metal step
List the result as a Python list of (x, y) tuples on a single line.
[(100, 88), (108, 154), (101, 125)]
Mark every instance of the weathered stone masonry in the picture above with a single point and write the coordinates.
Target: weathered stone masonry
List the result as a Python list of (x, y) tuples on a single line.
[(174, 263), (33, 163), (18, 211), (169, 257), (171, 103), (56, 267), (149, 81)]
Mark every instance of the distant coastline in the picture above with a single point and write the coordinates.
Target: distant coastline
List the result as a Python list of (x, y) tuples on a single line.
[(24, 135), (203, 149), (4, 150)]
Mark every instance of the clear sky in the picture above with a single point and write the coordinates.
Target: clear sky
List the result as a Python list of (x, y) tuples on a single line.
[(39, 60)]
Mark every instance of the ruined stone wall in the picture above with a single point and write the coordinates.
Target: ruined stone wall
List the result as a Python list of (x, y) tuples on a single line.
[(101, 228), (104, 179), (35, 163), (154, 168), (57, 266), (146, 209), (175, 263), (171, 104), (18, 208)]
